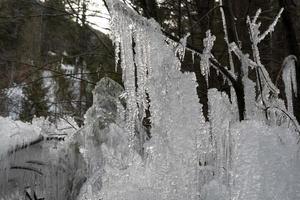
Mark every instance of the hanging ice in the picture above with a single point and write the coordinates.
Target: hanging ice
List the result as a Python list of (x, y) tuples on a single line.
[(289, 80), (208, 43), (152, 77), (182, 46)]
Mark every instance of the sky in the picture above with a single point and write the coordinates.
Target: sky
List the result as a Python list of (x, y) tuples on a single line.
[(101, 21)]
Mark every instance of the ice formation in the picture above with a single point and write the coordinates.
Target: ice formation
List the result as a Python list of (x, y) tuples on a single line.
[(265, 83), (179, 155), (208, 43), (103, 138), (194, 159), (289, 80), (259, 170), (167, 168)]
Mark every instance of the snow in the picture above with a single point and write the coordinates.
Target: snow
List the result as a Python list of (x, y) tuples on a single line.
[(69, 69), (38, 157), (14, 134), (15, 97)]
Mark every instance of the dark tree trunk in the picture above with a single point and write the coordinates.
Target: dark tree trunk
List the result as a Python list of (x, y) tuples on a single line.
[(203, 7), (150, 9), (179, 19), (233, 37)]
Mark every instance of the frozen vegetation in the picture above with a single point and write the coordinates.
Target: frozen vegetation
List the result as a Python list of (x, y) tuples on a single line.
[(181, 156)]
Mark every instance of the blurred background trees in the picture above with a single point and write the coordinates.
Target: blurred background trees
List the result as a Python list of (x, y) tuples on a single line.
[(50, 58)]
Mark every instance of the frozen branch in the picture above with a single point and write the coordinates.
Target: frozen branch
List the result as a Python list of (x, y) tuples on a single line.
[(271, 27)]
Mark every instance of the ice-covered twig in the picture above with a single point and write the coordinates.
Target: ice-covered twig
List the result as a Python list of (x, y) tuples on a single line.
[(288, 114), (258, 12), (253, 64), (256, 39), (254, 27), (271, 27), (238, 52)]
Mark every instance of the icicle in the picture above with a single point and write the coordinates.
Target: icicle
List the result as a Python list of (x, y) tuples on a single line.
[(171, 163), (117, 57), (193, 57), (180, 50), (208, 44), (289, 80)]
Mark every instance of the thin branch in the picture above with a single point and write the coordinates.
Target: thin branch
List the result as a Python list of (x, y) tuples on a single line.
[(27, 169), (54, 71)]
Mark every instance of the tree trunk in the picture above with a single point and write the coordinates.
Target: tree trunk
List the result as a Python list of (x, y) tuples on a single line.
[(150, 9)]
